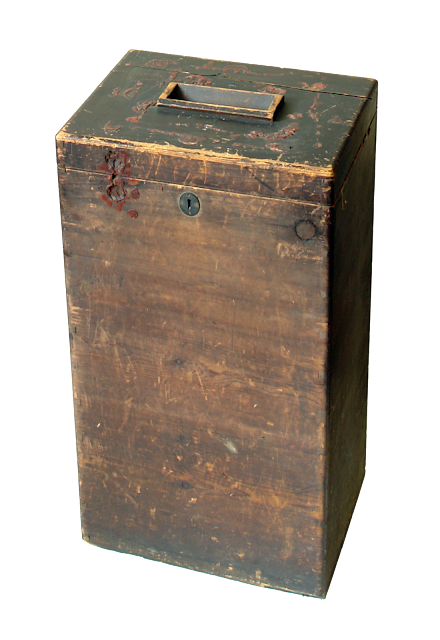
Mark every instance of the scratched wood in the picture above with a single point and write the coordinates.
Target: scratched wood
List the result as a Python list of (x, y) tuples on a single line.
[(220, 361), (189, 405), (189, 168), (310, 129)]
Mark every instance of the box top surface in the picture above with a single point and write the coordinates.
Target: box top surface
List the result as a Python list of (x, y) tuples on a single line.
[(311, 127)]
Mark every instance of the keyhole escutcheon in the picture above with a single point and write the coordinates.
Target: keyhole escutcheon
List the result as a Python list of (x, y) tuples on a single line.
[(189, 204)]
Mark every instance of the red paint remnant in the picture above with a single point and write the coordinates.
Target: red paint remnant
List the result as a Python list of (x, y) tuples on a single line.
[(195, 79), (295, 116), (285, 132), (336, 120), (238, 68), (114, 187), (127, 64), (312, 111), (318, 145), (271, 89), (211, 126), (182, 124), (110, 128), (132, 213), (209, 65), (292, 446), (318, 86), (235, 135), (102, 166), (199, 125), (161, 188), (130, 93), (161, 63), (141, 107), (106, 200), (116, 91)]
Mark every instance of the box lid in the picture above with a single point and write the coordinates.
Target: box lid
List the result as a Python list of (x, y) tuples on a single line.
[(303, 126)]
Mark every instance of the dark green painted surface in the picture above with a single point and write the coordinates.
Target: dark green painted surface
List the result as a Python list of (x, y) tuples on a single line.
[(313, 125)]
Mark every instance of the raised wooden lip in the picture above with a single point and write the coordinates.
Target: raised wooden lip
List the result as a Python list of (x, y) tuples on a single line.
[(221, 110)]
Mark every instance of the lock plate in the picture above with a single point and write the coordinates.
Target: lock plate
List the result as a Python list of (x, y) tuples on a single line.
[(189, 204)]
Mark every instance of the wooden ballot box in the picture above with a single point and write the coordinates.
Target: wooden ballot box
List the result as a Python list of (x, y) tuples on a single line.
[(217, 226)]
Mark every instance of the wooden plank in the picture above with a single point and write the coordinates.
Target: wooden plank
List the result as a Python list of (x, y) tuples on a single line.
[(348, 365), (183, 167), (188, 404)]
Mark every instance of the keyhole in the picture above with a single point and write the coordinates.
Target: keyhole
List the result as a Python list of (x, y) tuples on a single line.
[(189, 204)]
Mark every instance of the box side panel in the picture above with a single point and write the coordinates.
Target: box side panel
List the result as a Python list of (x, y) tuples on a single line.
[(181, 167), (198, 357), (349, 340), (352, 142)]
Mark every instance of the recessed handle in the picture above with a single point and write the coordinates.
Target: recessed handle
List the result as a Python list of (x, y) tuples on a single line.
[(220, 102)]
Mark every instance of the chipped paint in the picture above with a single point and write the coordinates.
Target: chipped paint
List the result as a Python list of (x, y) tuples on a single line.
[(109, 128), (133, 91), (159, 63), (140, 108), (285, 132), (115, 161), (196, 79), (312, 111), (317, 86), (271, 89)]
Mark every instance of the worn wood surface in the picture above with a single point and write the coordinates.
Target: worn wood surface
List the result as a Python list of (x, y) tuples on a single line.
[(200, 437), (185, 167), (350, 292), (315, 121), (220, 360)]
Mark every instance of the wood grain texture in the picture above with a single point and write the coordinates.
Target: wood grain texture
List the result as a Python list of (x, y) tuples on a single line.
[(350, 293), (183, 167), (200, 439)]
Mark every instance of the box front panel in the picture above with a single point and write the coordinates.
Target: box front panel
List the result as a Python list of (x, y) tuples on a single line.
[(198, 358)]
